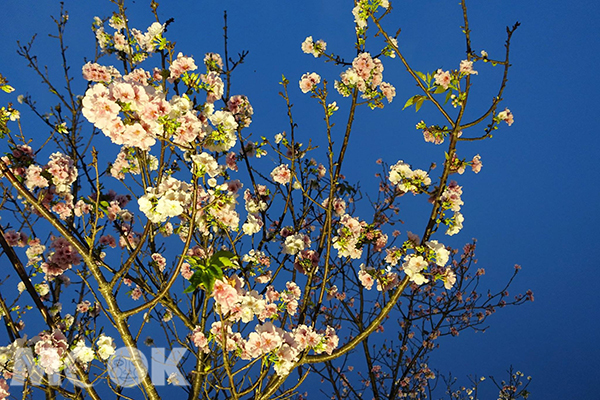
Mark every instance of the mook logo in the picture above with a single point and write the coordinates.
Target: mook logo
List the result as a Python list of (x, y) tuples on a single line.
[(126, 367)]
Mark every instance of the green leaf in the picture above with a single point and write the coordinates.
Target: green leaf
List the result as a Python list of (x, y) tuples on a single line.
[(195, 281), (419, 103), (409, 102), (421, 75), (448, 96), (440, 89), (222, 258)]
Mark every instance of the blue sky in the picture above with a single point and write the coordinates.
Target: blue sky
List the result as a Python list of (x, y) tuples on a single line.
[(535, 202)]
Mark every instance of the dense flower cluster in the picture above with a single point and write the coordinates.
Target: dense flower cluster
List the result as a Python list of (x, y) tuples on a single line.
[(167, 200), (408, 180), (62, 257), (51, 348), (194, 136), (347, 242), (283, 348), (366, 75)]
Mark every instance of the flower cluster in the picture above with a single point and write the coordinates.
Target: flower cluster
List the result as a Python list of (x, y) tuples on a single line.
[(348, 242), (294, 243), (134, 43), (126, 162), (309, 81), (338, 206), (7, 362), (449, 79), (167, 200), (432, 134), (408, 180), (15, 239), (133, 112), (443, 78), (364, 8), (105, 347), (180, 66), (315, 48), (241, 109), (507, 116), (283, 348), (451, 200), (281, 174), (61, 258), (51, 348), (366, 75)]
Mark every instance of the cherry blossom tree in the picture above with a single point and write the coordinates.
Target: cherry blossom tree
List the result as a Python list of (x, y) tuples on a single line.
[(247, 276)]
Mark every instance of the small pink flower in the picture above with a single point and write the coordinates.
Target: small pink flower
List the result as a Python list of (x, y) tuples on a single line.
[(136, 294), (309, 81), (466, 67), (225, 296), (281, 174), (200, 340), (84, 306), (442, 78), (507, 116), (365, 279), (181, 65), (186, 271), (388, 91), (476, 164)]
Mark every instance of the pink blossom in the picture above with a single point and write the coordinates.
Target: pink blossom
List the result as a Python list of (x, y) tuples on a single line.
[(309, 81), (62, 169), (310, 47), (34, 178), (476, 164), (50, 347), (136, 136), (181, 65), (136, 294), (507, 116), (213, 61), (199, 339), (442, 78), (225, 296), (388, 91), (365, 278), (281, 174), (138, 76), (122, 91), (63, 209), (108, 240), (83, 307), (98, 73), (160, 261), (15, 239), (215, 86), (230, 161), (241, 109), (466, 67), (186, 271)]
